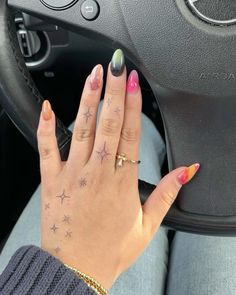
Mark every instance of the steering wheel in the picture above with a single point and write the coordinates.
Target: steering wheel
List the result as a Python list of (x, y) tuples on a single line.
[(186, 49)]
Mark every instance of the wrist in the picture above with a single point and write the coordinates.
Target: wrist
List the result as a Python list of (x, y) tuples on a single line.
[(101, 272), (91, 282), (101, 276)]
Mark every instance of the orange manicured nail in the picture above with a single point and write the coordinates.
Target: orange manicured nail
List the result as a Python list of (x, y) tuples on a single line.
[(46, 110), (188, 173)]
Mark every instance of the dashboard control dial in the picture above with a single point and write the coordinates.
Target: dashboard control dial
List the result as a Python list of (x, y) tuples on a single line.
[(58, 4)]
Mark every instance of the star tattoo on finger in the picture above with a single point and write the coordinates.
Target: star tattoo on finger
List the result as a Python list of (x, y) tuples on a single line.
[(117, 111), (108, 102), (68, 234), (103, 153), (54, 228), (87, 115), (66, 219), (82, 182), (47, 206), (63, 196)]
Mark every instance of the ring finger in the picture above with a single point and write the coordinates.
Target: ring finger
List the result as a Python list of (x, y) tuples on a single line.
[(130, 134)]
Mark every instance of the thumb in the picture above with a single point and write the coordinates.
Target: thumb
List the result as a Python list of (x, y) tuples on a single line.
[(161, 199)]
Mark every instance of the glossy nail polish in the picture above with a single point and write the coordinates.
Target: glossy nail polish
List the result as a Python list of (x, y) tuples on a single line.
[(96, 77), (188, 173), (133, 83), (46, 110), (118, 63)]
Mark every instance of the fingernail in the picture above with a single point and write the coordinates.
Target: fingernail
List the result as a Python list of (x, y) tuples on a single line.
[(133, 83), (46, 110), (188, 173), (118, 63), (96, 77)]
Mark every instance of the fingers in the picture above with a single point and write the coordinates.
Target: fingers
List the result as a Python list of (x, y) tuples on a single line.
[(85, 124), (111, 118), (50, 161), (130, 134), (160, 201)]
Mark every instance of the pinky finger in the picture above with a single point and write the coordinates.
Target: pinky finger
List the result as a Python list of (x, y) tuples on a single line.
[(50, 161)]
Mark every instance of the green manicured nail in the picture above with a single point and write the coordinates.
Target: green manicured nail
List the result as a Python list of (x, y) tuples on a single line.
[(117, 63)]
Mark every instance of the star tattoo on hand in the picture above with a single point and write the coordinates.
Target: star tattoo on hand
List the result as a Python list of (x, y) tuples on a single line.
[(87, 115), (66, 219), (54, 228), (103, 153), (82, 182), (63, 196), (57, 249), (68, 234), (47, 206)]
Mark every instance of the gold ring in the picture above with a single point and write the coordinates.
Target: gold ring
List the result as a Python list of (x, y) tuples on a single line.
[(121, 159)]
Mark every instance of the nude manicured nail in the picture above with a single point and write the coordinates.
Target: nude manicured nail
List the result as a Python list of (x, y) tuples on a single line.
[(188, 173), (133, 83), (46, 110), (96, 77)]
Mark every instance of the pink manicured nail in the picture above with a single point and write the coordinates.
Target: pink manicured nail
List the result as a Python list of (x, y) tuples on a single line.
[(96, 77), (133, 83)]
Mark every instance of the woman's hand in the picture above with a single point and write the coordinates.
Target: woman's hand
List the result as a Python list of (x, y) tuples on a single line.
[(92, 218)]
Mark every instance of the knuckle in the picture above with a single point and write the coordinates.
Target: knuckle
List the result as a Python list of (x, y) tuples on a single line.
[(130, 135), (82, 134), (42, 132), (114, 92), (110, 127), (167, 197), (45, 152)]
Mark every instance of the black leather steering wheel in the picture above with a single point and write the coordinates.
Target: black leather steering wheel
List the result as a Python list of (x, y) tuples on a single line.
[(187, 51)]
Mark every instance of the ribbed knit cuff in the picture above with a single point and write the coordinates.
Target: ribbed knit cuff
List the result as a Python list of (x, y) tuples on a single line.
[(33, 271)]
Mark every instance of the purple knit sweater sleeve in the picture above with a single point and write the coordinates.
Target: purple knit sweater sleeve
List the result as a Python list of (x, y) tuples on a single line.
[(35, 272)]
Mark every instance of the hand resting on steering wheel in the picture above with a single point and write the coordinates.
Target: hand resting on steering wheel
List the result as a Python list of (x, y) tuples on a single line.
[(92, 217), (93, 224)]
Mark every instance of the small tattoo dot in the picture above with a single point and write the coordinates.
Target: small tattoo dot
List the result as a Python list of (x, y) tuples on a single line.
[(117, 111), (57, 249), (87, 115), (66, 219), (82, 182), (68, 234), (54, 228), (63, 196), (47, 206), (109, 101), (103, 153)]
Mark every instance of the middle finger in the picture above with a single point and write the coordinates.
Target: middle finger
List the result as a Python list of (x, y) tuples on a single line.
[(112, 114)]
